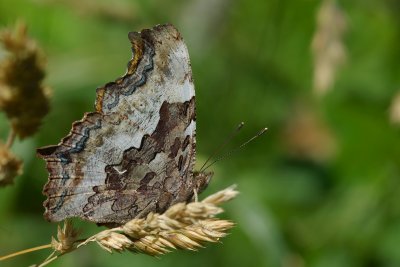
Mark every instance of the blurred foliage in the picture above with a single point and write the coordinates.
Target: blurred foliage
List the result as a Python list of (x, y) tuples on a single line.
[(319, 189)]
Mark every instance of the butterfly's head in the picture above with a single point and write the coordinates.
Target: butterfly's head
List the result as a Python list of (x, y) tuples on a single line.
[(201, 180)]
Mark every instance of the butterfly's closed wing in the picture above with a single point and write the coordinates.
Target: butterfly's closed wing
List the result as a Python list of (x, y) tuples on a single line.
[(136, 152)]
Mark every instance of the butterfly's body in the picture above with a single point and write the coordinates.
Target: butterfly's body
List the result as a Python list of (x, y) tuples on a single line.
[(135, 154)]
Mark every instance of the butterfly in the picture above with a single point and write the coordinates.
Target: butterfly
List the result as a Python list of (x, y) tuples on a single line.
[(135, 153)]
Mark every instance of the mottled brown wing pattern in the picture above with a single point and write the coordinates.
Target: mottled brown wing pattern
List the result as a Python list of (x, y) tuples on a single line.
[(135, 153)]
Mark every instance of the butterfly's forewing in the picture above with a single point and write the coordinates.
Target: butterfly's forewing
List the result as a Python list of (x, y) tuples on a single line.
[(136, 152)]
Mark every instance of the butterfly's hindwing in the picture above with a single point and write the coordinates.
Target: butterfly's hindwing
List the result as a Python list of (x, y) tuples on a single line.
[(136, 152)]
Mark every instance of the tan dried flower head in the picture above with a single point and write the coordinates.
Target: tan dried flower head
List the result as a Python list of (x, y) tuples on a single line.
[(183, 225), (66, 236), (22, 96), (10, 166)]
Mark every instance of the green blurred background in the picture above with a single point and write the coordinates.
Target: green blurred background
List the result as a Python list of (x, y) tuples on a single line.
[(321, 188)]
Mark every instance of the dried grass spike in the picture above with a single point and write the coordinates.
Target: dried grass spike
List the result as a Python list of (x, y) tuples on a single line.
[(115, 241), (222, 196), (184, 242), (22, 96), (67, 236), (10, 166)]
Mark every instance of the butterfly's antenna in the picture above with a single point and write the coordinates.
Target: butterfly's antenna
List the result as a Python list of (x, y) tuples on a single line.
[(233, 133), (229, 153)]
